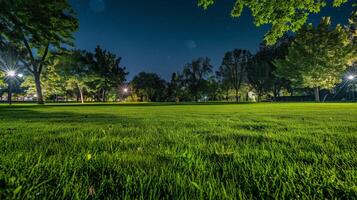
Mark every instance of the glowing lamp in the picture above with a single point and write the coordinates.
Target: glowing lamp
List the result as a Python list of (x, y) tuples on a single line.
[(11, 73)]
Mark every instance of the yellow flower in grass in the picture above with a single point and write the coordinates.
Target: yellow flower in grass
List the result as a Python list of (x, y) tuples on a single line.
[(88, 156)]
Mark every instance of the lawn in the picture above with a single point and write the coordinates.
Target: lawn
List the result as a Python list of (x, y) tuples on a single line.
[(186, 151)]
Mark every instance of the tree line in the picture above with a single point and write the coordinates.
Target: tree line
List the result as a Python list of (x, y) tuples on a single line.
[(38, 39)]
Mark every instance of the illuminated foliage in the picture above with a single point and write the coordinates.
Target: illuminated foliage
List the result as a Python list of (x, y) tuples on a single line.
[(282, 15), (37, 28), (318, 56)]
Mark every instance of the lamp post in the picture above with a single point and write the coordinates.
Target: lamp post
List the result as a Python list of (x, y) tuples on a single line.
[(124, 93), (351, 78), (11, 75)]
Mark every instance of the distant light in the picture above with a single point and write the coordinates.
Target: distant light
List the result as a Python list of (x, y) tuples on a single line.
[(11, 73), (125, 90), (20, 75), (350, 77)]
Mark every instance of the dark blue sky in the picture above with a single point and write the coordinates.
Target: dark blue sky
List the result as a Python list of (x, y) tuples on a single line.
[(162, 35)]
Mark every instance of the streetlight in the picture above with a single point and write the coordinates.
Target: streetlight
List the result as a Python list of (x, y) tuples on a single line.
[(351, 78), (11, 74)]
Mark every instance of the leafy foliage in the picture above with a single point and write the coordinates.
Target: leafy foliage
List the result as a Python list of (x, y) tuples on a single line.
[(233, 69), (149, 86), (107, 67), (282, 15), (261, 71), (35, 28), (195, 74), (318, 56), (175, 89)]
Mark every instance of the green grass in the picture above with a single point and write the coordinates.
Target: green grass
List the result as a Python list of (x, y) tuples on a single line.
[(167, 151)]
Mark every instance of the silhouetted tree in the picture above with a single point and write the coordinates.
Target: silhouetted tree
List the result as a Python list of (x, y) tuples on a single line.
[(175, 90), (107, 67), (195, 74), (149, 86), (233, 69)]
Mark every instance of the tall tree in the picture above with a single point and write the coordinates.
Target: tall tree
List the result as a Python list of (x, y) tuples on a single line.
[(108, 66), (318, 56), (282, 15), (37, 28), (233, 69), (77, 68), (175, 88), (262, 75), (195, 75), (259, 75), (52, 83), (149, 86)]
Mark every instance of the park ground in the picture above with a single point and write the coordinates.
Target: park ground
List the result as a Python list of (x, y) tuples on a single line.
[(179, 151)]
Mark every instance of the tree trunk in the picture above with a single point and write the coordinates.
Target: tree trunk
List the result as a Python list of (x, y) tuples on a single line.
[(38, 88), (276, 94), (227, 95), (237, 95), (317, 94), (81, 94), (259, 97), (9, 93), (103, 95)]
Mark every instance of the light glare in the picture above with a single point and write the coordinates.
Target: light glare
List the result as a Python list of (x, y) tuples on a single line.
[(11, 73), (350, 77)]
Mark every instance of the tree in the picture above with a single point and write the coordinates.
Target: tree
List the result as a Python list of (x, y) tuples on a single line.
[(174, 90), (52, 83), (318, 56), (259, 75), (233, 69), (9, 61), (283, 15), (213, 91), (76, 67), (262, 75), (352, 27), (149, 86), (195, 74), (38, 29), (111, 74)]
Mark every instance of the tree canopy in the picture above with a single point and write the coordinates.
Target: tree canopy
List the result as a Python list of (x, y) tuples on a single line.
[(194, 75), (318, 56), (282, 15), (38, 29), (233, 68), (149, 86)]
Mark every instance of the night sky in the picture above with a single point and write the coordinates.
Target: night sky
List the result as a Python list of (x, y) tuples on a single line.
[(163, 35)]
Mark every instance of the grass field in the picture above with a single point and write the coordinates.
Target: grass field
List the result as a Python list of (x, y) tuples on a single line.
[(166, 151)]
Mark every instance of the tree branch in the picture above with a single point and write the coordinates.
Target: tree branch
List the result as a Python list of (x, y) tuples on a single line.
[(43, 58), (28, 49)]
